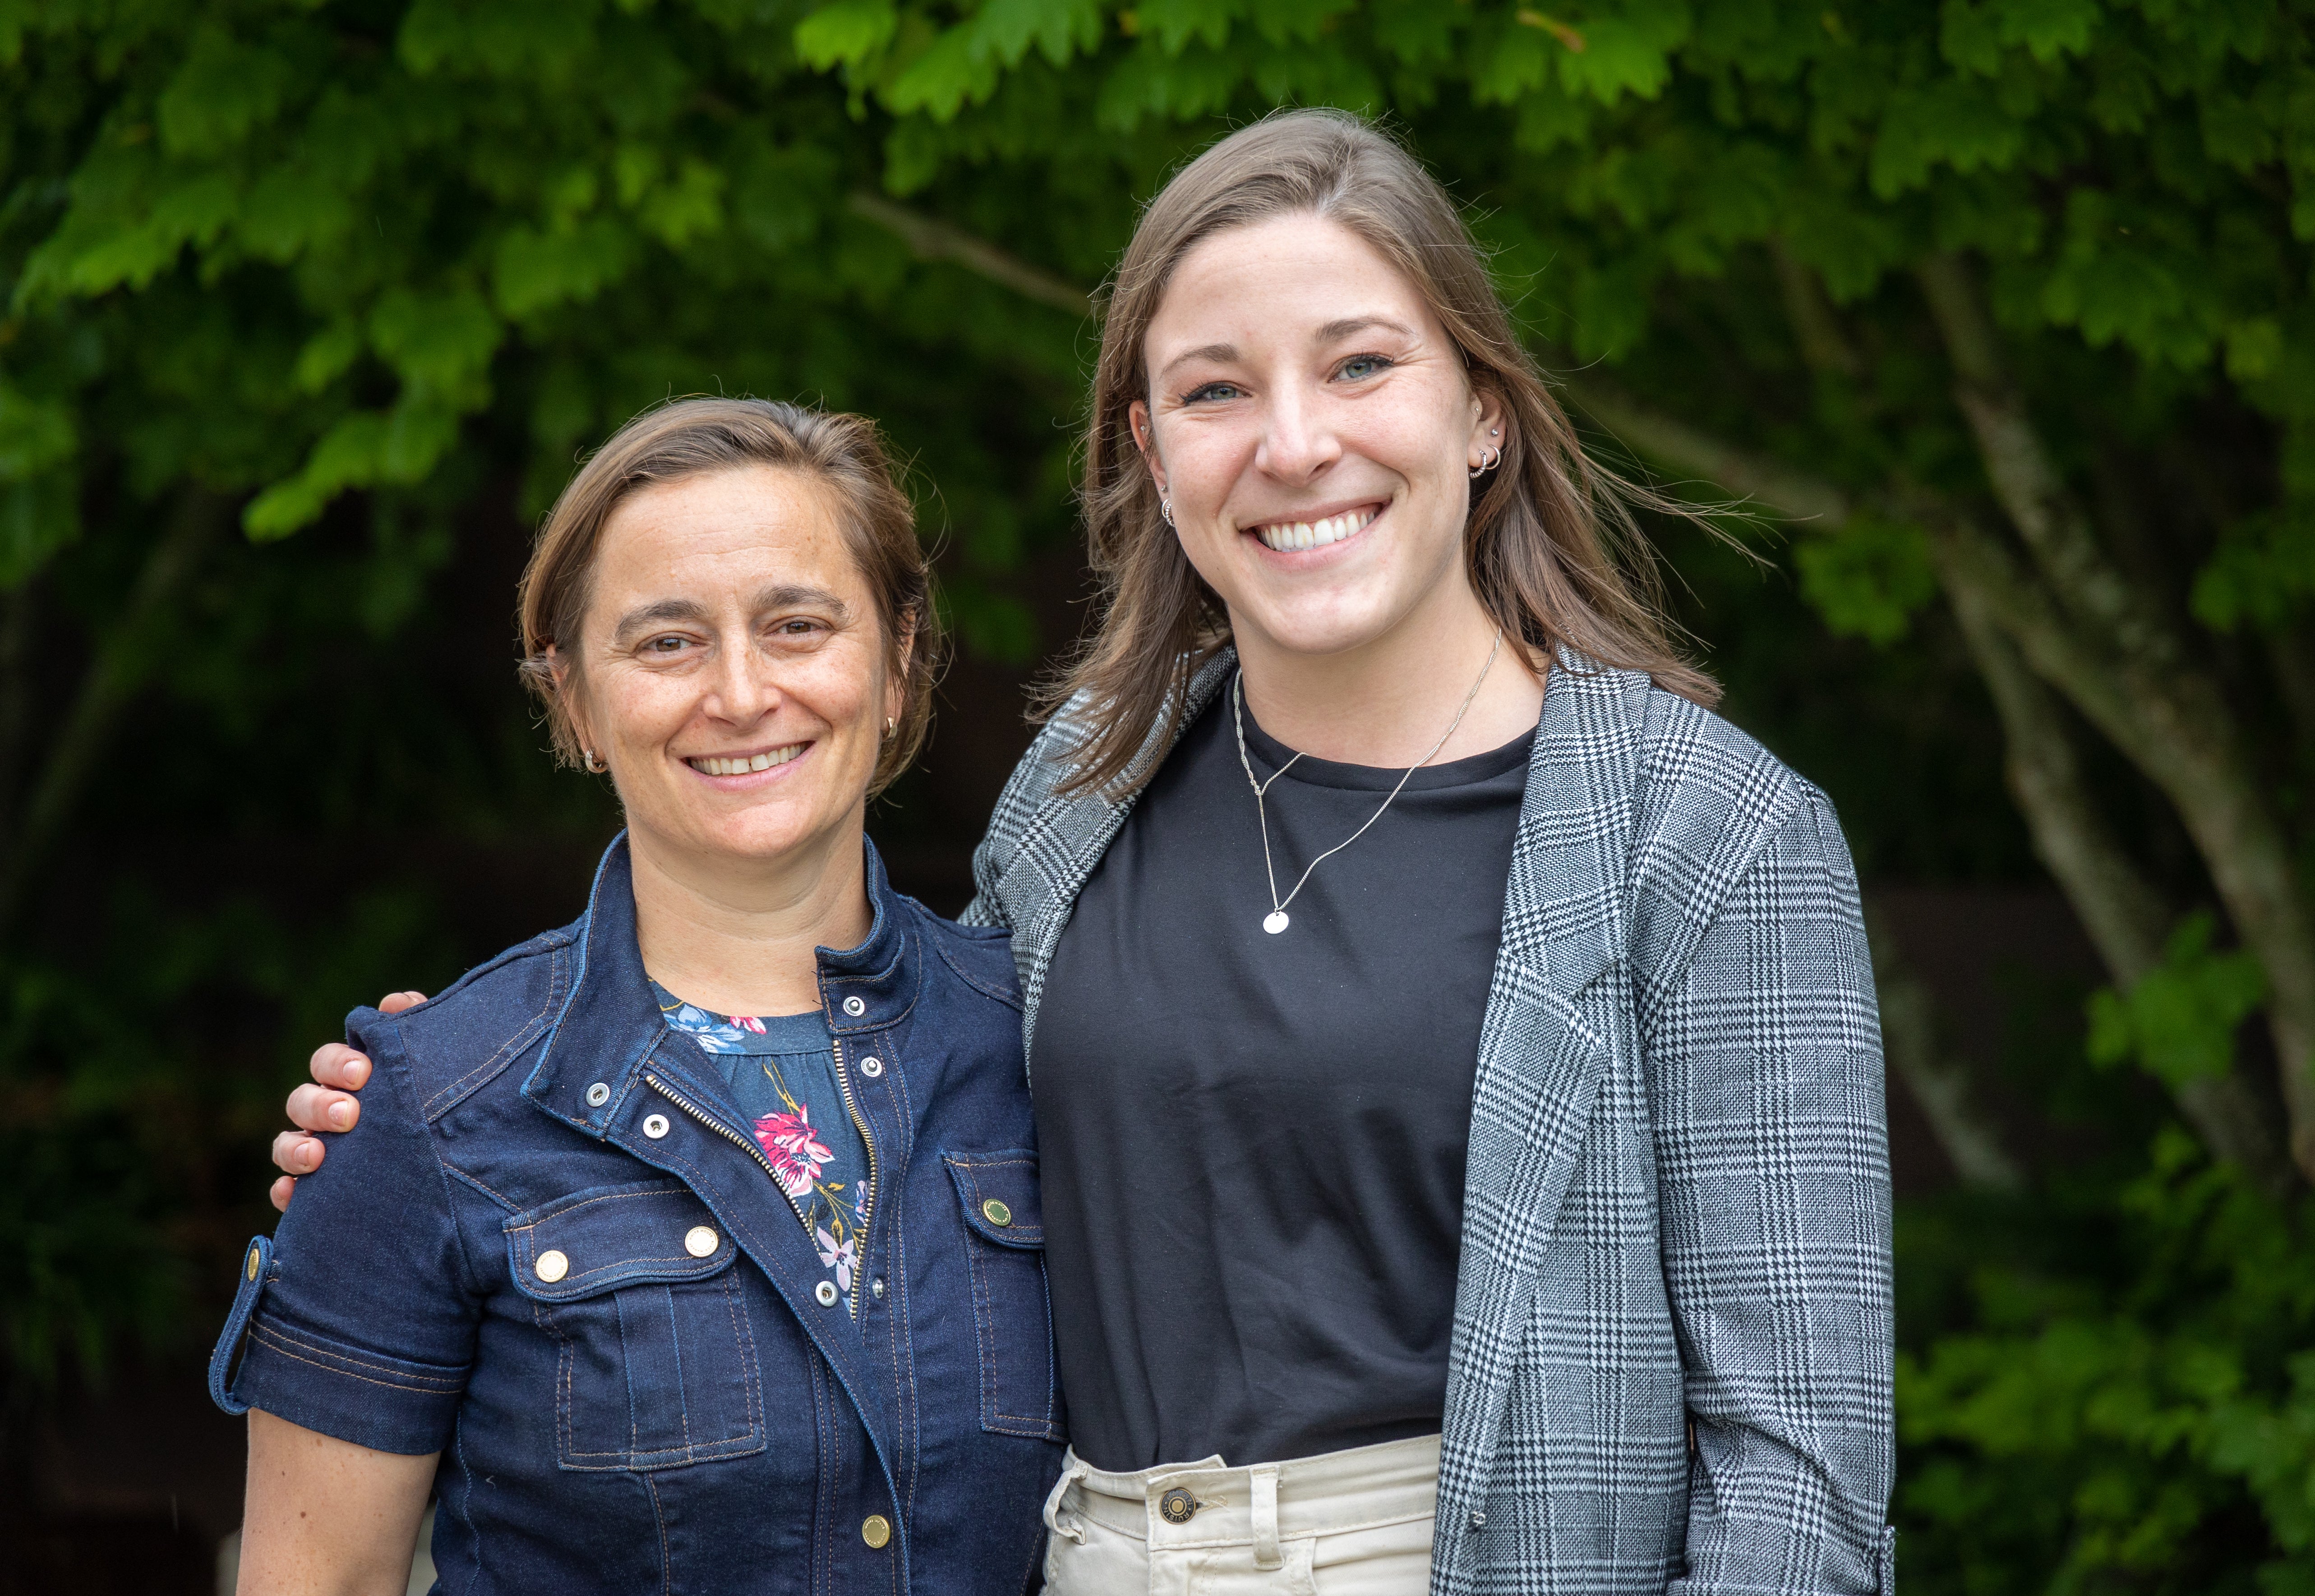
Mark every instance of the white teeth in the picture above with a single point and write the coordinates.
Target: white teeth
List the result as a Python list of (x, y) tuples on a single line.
[(1288, 535), (745, 763)]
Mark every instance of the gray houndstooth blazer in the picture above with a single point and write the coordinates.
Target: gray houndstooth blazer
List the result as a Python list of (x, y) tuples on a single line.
[(1672, 1353)]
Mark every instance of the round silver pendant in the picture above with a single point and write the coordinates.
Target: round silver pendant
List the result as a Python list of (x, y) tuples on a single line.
[(1274, 921)]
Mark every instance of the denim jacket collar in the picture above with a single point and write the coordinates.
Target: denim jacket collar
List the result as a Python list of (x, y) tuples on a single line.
[(611, 1004)]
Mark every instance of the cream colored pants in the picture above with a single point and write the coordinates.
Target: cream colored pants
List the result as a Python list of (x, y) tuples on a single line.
[(1348, 1523)]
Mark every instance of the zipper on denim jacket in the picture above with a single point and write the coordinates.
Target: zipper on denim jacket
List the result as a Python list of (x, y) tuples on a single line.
[(730, 1135), (868, 1207), (867, 1141)]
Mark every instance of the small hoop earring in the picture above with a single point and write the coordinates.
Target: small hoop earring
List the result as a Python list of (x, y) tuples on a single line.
[(594, 767), (1166, 509), (889, 725), (1489, 458)]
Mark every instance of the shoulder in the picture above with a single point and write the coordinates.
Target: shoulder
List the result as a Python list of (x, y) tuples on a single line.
[(980, 957), (1710, 808), (465, 1034)]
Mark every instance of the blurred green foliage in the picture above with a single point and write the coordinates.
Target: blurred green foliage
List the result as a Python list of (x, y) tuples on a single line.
[(362, 277)]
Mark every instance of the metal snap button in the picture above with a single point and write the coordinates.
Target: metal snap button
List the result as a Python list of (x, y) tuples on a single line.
[(824, 1294), (997, 1213), (872, 1066), (599, 1095), (552, 1265), (254, 1262), (876, 1530), (876, 1288), (856, 1006), (655, 1126), (1178, 1506), (700, 1240)]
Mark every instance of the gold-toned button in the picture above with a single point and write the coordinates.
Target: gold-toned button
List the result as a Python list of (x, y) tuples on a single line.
[(876, 1530), (699, 1241), (252, 1262), (1178, 1506), (553, 1266), (997, 1213)]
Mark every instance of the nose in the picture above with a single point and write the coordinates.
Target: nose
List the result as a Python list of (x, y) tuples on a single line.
[(1298, 444), (742, 688)]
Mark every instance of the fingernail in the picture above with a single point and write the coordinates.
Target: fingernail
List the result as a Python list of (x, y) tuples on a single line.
[(341, 1115)]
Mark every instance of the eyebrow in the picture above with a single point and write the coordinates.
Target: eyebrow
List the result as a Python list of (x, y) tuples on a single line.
[(1332, 330), (778, 596), (1332, 333)]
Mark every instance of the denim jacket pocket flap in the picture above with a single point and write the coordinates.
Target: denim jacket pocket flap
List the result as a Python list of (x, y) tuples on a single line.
[(999, 1193), (607, 1237)]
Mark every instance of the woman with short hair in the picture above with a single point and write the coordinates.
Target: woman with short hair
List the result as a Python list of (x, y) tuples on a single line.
[(693, 1246), (1454, 1049)]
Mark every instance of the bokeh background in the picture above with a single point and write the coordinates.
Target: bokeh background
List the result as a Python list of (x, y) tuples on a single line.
[(1995, 313)]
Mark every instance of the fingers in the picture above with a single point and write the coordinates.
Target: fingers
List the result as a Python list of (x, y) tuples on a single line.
[(294, 1153), (314, 1108), (335, 1064), (394, 1003), (283, 1190)]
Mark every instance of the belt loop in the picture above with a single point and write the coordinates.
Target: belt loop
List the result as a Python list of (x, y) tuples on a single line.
[(1070, 1475), (1266, 1553)]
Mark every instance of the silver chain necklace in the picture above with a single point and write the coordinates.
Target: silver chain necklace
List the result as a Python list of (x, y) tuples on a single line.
[(1276, 919)]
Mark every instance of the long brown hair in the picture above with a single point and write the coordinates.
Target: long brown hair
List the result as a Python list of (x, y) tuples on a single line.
[(1552, 549), (688, 438)]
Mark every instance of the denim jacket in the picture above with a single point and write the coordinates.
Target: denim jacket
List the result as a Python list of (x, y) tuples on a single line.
[(551, 1250)]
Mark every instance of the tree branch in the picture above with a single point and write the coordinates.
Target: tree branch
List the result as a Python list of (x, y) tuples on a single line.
[(933, 240), (1968, 1137), (2125, 917), (2170, 715)]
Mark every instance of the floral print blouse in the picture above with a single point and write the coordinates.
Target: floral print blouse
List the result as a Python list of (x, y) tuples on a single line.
[(782, 1072)]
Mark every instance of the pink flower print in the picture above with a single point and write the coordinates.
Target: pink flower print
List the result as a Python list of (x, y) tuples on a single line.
[(795, 1149), (839, 1257), (748, 1023)]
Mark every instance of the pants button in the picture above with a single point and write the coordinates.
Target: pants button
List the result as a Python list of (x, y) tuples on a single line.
[(876, 1530)]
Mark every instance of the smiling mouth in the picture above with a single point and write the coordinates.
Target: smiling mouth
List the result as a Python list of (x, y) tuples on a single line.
[(743, 764), (1288, 537)]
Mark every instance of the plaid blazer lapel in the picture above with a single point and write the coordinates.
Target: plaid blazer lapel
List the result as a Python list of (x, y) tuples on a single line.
[(1064, 837), (1544, 1047)]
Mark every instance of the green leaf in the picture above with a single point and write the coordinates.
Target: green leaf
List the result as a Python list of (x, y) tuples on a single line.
[(847, 33), (1869, 580), (2178, 1023)]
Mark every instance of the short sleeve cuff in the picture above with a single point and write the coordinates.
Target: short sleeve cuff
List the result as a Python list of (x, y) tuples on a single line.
[(389, 1404)]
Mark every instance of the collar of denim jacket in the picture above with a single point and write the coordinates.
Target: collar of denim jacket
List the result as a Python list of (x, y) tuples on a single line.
[(610, 1023)]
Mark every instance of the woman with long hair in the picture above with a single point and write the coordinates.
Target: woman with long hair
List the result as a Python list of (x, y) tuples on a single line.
[(1453, 1047)]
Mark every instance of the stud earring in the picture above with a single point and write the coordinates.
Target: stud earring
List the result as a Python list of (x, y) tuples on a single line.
[(889, 725)]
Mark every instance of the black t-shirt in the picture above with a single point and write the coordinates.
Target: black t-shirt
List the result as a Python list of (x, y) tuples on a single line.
[(1252, 1145)]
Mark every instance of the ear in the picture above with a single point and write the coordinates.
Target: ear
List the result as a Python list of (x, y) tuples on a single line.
[(566, 693), (896, 690), (1145, 439), (1490, 424)]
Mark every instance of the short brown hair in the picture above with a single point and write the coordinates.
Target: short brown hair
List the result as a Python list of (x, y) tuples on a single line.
[(1548, 534), (690, 437)]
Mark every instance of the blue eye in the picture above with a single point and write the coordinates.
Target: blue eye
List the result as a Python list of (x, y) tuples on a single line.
[(1214, 391), (1360, 367)]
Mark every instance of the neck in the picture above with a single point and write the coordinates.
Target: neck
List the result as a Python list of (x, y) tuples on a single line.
[(1386, 702), (742, 937)]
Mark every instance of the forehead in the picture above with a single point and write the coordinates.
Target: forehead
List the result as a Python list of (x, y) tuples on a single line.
[(718, 528), (1284, 277)]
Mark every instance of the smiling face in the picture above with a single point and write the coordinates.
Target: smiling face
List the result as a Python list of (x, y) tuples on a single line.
[(732, 667), (1311, 425)]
